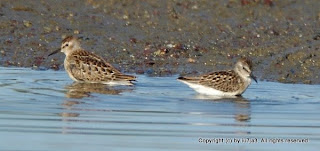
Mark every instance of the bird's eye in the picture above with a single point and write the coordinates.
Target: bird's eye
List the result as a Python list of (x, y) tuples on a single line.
[(245, 69), (67, 45)]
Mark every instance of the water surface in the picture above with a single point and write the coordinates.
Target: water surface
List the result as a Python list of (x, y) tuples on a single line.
[(45, 110)]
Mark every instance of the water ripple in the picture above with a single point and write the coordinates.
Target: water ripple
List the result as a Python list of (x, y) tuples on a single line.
[(155, 113)]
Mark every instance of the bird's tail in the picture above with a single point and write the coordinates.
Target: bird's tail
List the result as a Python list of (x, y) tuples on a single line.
[(126, 77), (189, 79)]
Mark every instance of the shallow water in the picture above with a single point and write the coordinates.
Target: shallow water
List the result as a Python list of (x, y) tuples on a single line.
[(45, 110)]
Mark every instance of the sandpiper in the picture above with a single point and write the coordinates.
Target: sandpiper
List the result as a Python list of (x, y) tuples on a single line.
[(223, 83), (84, 66)]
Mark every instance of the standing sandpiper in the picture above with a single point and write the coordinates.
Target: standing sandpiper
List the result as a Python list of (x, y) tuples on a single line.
[(84, 66), (223, 83)]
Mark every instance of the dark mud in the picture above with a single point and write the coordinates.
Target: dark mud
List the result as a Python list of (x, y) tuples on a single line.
[(165, 37)]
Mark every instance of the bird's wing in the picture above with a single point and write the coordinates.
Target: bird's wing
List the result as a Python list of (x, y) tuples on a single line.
[(226, 81), (86, 66)]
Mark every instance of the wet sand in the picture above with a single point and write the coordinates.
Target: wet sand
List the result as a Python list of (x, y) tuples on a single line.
[(162, 38)]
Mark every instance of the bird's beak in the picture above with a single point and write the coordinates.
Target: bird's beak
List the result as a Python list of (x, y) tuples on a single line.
[(253, 77), (56, 51)]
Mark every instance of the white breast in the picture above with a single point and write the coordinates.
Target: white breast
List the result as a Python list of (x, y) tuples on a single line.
[(210, 91)]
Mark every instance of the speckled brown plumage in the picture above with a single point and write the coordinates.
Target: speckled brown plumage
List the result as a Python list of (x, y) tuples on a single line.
[(84, 66), (68, 38), (246, 61), (226, 81), (88, 67)]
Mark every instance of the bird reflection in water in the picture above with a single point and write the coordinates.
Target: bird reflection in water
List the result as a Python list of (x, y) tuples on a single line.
[(77, 91), (80, 90), (68, 114), (241, 105), (67, 106)]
